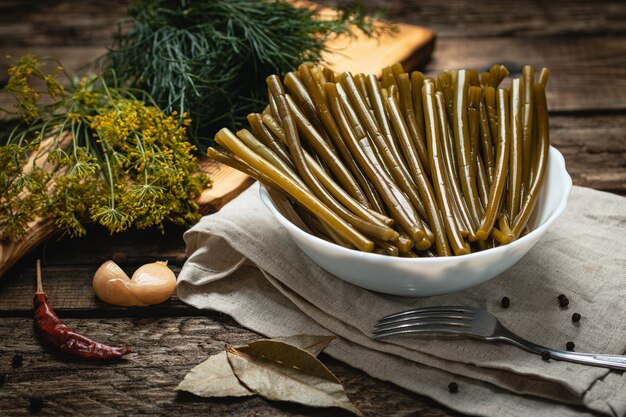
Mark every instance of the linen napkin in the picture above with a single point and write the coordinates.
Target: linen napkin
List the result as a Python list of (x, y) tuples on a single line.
[(243, 263)]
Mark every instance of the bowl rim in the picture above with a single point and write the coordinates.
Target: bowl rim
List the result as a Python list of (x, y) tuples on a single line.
[(554, 157)]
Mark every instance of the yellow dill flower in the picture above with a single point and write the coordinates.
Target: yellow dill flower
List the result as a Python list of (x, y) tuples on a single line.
[(114, 160)]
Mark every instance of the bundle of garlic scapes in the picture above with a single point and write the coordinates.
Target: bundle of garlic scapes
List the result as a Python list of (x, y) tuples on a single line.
[(408, 165)]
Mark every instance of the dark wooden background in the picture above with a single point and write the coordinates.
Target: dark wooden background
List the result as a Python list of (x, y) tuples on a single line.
[(584, 44)]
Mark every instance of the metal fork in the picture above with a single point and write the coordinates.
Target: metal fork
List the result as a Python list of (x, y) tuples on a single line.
[(479, 324)]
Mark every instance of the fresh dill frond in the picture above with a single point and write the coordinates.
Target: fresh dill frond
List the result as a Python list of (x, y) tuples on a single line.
[(210, 58)]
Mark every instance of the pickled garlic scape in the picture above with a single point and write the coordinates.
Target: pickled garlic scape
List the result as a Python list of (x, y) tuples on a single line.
[(406, 166)]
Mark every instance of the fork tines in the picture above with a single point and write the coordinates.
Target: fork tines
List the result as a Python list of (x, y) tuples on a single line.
[(440, 319)]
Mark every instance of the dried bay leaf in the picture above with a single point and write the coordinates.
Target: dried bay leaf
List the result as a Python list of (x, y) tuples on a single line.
[(215, 378), (314, 344), (283, 372)]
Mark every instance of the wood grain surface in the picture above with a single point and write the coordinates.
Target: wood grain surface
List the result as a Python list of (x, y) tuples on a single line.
[(143, 384), (410, 44), (504, 19), (584, 43)]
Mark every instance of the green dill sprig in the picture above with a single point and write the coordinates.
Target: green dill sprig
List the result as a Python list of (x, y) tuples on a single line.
[(92, 152), (211, 58)]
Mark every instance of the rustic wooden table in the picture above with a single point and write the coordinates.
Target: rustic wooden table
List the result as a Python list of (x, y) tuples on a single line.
[(584, 43)]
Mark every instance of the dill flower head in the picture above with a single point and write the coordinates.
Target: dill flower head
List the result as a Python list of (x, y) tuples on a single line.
[(93, 153)]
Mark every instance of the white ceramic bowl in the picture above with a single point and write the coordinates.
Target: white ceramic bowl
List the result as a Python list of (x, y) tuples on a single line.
[(419, 277)]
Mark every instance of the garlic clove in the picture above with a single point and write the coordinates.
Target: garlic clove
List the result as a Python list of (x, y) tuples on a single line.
[(153, 283), (111, 285), (119, 292), (109, 270)]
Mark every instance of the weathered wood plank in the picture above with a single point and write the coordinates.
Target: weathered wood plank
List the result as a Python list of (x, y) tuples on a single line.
[(69, 265), (522, 18), (59, 22), (143, 384), (594, 148), (132, 247), (95, 21), (70, 291), (588, 73)]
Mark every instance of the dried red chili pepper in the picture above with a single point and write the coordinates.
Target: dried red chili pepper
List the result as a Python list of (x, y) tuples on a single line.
[(56, 334)]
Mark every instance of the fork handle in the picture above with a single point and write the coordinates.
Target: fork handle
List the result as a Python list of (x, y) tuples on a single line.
[(592, 359)]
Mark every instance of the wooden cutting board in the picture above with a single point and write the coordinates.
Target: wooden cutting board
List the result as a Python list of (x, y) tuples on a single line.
[(411, 45)]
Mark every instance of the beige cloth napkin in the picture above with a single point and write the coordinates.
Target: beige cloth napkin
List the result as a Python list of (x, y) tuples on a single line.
[(243, 263)]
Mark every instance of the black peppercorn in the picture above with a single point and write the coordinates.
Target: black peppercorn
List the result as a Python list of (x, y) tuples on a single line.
[(453, 387), (35, 404), (545, 355), (570, 346), (17, 360), (576, 317), (3, 378), (505, 302), (563, 301)]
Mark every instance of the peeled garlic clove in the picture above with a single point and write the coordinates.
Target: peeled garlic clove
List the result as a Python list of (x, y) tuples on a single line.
[(119, 292), (153, 283), (111, 285)]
